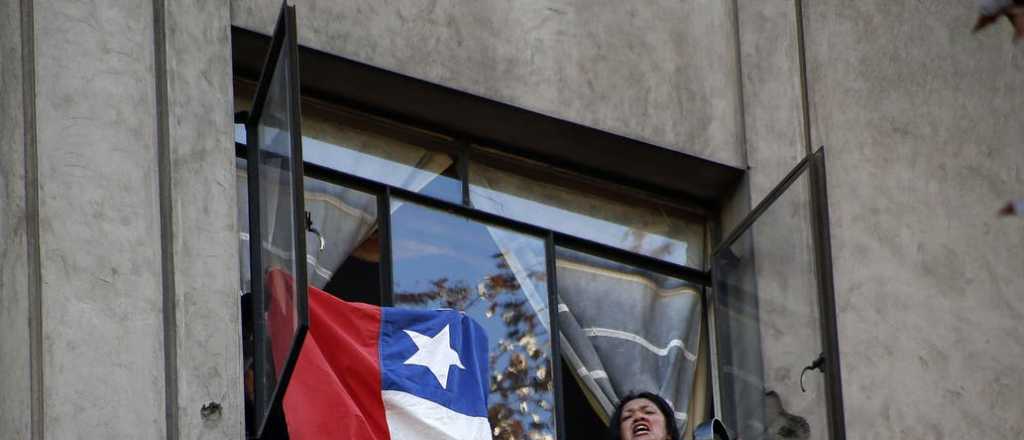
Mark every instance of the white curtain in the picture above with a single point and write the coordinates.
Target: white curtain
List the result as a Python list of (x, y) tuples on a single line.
[(621, 329)]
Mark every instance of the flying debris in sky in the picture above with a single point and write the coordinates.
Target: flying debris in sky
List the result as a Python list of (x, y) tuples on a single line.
[(1015, 207), (991, 11)]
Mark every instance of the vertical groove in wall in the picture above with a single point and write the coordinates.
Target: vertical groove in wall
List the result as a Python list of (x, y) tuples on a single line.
[(741, 104), (805, 105), (35, 283), (166, 222)]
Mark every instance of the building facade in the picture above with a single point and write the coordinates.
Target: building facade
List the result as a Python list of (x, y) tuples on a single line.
[(119, 305)]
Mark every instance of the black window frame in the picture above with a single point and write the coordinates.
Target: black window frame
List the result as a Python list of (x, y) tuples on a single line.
[(267, 407)]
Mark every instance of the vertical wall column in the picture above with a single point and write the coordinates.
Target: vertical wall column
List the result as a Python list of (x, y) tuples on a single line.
[(102, 357), (118, 245), (15, 342), (203, 226)]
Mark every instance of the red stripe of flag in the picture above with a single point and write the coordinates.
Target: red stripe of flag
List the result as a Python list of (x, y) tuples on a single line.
[(335, 391)]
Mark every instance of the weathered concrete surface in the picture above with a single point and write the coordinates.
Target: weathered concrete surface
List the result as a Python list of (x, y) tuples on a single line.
[(783, 248), (773, 118), (923, 129), (205, 241), (99, 230), (15, 407), (660, 71)]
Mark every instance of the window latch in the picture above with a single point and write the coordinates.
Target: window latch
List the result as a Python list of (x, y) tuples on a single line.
[(311, 228), (818, 364)]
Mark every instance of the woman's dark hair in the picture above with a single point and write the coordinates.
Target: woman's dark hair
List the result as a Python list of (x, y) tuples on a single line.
[(666, 411)]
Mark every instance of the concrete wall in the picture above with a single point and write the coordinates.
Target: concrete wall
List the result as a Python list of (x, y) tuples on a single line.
[(782, 237), (205, 234), (923, 128), (918, 120), (15, 382), (132, 118), (99, 220), (661, 71)]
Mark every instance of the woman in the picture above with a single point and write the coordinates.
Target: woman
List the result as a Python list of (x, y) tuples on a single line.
[(643, 416)]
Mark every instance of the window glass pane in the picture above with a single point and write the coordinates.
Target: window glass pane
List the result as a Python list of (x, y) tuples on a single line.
[(497, 277), (329, 140), (332, 143), (657, 231), (242, 195), (349, 265), (240, 133), (276, 207), (626, 329), (347, 221), (768, 325)]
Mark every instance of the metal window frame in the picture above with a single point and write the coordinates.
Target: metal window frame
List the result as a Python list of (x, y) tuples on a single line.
[(814, 164), (267, 401)]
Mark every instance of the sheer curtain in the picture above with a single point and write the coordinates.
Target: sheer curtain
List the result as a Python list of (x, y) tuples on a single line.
[(629, 330), (621, 329)]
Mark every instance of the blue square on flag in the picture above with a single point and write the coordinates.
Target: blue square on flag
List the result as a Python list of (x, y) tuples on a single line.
[(381, 373), (434, 370)]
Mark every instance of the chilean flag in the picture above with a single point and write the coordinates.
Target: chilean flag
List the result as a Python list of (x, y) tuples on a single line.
[(367, 372)]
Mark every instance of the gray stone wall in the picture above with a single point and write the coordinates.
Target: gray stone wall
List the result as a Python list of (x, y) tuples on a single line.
[(917, 117), (204, 229), (923, 129), (129, 123), (783, 248), (15, 382), (661, 71), (102, 354)]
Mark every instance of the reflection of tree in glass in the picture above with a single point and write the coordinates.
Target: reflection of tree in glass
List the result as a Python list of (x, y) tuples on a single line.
[(521, 398)]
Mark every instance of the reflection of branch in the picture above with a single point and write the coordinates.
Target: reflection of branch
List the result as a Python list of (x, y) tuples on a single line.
[(521, 380)]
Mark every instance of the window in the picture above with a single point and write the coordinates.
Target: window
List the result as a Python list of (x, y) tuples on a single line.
[(398, 231), (592, 278), (774, 313)]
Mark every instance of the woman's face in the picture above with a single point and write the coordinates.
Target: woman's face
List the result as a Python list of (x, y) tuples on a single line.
[(641, 420)]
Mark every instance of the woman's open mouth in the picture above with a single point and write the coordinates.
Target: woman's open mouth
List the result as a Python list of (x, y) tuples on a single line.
[(641, 429)]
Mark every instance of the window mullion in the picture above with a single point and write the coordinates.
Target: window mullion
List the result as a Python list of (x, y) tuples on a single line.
[(384, 242), (463, 168), (554, 332)]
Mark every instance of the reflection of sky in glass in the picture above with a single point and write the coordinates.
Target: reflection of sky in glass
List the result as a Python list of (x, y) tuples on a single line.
[(590, 228), (276, 207), (444, 261), (376, 168)]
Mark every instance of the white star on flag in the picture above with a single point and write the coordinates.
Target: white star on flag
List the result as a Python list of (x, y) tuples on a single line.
[(435, 353)]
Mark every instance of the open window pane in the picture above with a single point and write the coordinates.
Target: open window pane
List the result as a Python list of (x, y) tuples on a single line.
[(499, 278), (280, 259), (655, 230), (626, 329), (277, 229), (769, 324)]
